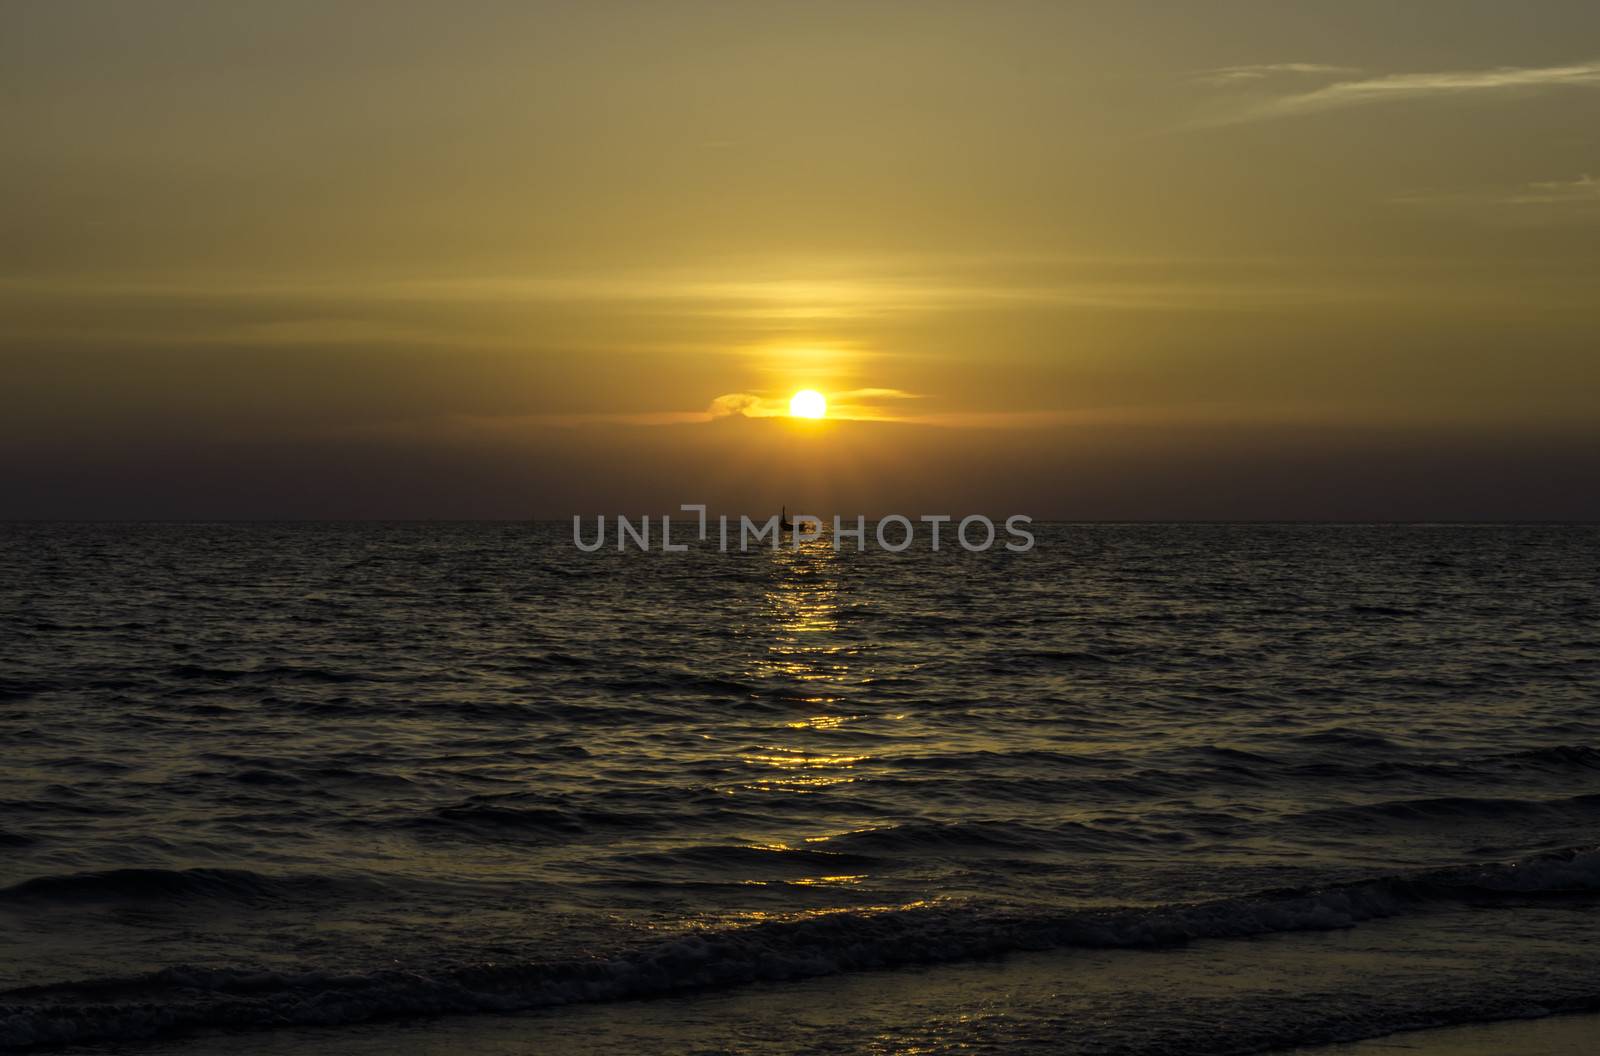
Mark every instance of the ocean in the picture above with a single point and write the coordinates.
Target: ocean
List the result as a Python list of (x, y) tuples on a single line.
[(442, 787)]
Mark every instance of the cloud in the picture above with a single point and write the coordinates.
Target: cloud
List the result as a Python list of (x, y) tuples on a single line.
[(860, 405), (1262, 71), (1548, 200), (815, 319), (870, 395), (745, 404), (1585, 190), (1403, 87)]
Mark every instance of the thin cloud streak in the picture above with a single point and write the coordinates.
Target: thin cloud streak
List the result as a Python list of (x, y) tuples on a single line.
[(1553, 201), (1584, 190), (856, 405), (1405, 87), (1262, 71)]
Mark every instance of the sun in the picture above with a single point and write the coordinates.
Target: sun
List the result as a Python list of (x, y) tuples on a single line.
[(807, 403)]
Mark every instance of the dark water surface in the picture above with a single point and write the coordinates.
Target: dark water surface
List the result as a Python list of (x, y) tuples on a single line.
[(264, 775)]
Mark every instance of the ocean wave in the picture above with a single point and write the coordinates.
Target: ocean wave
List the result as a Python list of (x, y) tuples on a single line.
[(1345, 737), (1362, 817), (511, 815), (989, 837), (266, 674), (18, 689), (720, 858), (1381, 610), (1558, 757), (1068, 658), (178, 999), (1557, 760), (152, 884)]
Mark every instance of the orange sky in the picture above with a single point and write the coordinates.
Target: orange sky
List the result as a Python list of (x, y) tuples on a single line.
[(1098, 260)]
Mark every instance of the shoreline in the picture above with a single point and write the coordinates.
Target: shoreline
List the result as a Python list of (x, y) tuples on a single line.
[(1557, 1034), (1374, 981)]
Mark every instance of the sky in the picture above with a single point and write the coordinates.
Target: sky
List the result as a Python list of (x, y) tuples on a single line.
[(1256, 260)]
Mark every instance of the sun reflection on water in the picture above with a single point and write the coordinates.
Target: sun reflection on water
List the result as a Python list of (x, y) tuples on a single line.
[(807, 663)]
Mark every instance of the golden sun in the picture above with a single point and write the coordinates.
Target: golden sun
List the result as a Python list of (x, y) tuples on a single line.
[(807, 403)]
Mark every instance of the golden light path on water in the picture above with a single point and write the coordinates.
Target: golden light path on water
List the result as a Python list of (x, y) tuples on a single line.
[(799, 624), (802, 609)]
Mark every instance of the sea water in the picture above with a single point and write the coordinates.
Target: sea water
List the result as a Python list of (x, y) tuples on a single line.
[(468, 778)]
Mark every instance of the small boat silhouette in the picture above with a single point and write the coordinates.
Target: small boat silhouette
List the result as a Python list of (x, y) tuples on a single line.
[(787, 525)]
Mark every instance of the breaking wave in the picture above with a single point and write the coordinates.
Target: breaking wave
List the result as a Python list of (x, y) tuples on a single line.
[(179, 999)]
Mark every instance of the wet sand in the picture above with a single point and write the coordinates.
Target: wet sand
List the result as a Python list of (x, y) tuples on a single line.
[(1552, 1036)]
